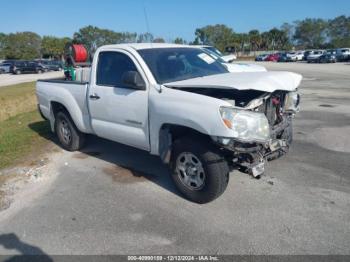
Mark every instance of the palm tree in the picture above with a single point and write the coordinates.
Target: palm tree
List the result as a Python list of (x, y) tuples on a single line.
[(255, 40)]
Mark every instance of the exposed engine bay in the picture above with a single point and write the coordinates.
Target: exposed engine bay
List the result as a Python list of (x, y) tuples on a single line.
[(279, 108)]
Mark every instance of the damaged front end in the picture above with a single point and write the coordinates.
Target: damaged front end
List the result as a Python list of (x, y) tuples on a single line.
[(262, 128), (259, 108)]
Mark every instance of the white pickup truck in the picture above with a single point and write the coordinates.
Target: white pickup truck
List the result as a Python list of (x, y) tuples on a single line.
[(179, 103)]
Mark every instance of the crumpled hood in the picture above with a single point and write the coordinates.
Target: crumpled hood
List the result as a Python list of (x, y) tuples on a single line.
[(262, 81)]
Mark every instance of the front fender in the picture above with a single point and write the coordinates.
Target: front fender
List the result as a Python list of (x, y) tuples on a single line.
[(198, 112)]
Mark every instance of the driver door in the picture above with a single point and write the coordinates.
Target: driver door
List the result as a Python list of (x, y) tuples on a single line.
[(118, 113)]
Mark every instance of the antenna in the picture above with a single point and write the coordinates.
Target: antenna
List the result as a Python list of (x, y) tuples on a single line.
[(147, 23)]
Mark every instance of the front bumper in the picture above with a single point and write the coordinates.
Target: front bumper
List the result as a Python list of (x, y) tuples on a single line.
[(251, 158)]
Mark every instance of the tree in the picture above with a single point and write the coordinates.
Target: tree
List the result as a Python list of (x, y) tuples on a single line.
[(53, 46), (274, 35), (339, 31), (242, 41), (22, 45), (127, 37), (310, 33), (255, 39), (158, 40), (93, 37), (3, 39), (218, 35), (275, 39), (145, 38), (179, 41), (288, 29)]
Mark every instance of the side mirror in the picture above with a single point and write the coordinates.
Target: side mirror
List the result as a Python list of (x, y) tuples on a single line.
[(133, 79)]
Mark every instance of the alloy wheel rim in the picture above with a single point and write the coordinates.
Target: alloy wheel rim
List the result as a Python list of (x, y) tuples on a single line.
[(65, 132), (190, 171)]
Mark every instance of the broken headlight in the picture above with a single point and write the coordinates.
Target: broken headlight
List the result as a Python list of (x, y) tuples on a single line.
[(291, 103), (246, 125)]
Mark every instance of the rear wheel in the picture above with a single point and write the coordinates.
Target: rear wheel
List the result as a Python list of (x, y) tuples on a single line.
[(199, 171), (69, 136)]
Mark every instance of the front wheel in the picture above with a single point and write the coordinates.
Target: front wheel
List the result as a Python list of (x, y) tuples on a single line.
[(69, 136), (199, 171)]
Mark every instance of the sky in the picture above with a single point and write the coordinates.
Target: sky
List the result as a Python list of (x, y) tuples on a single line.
[(166, 18)]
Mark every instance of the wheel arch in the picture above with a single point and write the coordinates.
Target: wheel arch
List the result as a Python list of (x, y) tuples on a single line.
[(57, 106), (168, 133)]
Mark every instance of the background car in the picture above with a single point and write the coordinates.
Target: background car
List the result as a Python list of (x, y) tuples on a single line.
[(227, 58), (273, 57), (5, 67), (291, 56), (44, 65), (52, 65), (315, 55), (295, 56), (307, 53), (283, 57), (20, 67), (327, 58), (57, 65), (235, 67), (343, 54), (261, 57)]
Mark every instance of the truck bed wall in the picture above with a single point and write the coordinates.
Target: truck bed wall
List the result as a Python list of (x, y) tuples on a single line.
[(71, 95)]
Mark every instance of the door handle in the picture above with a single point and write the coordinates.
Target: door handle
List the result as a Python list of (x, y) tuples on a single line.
[(94, 96)]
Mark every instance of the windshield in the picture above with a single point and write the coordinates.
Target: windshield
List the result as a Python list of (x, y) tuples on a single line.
[(177, 64)]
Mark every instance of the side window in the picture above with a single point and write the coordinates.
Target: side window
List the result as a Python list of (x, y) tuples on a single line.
[(110, 68)]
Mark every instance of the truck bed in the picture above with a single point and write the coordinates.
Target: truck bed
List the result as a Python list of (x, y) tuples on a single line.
[(71, 94)]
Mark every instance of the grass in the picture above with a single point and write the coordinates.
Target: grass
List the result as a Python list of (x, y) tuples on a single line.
[(23, 133), (21, 136), (17, 99)]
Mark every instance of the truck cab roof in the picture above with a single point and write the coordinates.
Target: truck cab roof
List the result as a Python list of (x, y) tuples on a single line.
[(140, 46)]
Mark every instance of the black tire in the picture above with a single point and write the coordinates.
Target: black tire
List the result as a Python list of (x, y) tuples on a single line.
[(18, 72), (215, 168), (72, 141), (39, 71)]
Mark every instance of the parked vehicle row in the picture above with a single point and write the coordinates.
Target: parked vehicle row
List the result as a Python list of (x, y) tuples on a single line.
[(22, 66), (311, 56)]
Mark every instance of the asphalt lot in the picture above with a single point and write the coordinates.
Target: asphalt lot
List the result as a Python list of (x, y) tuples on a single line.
[(10, 79), (112, 199)]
